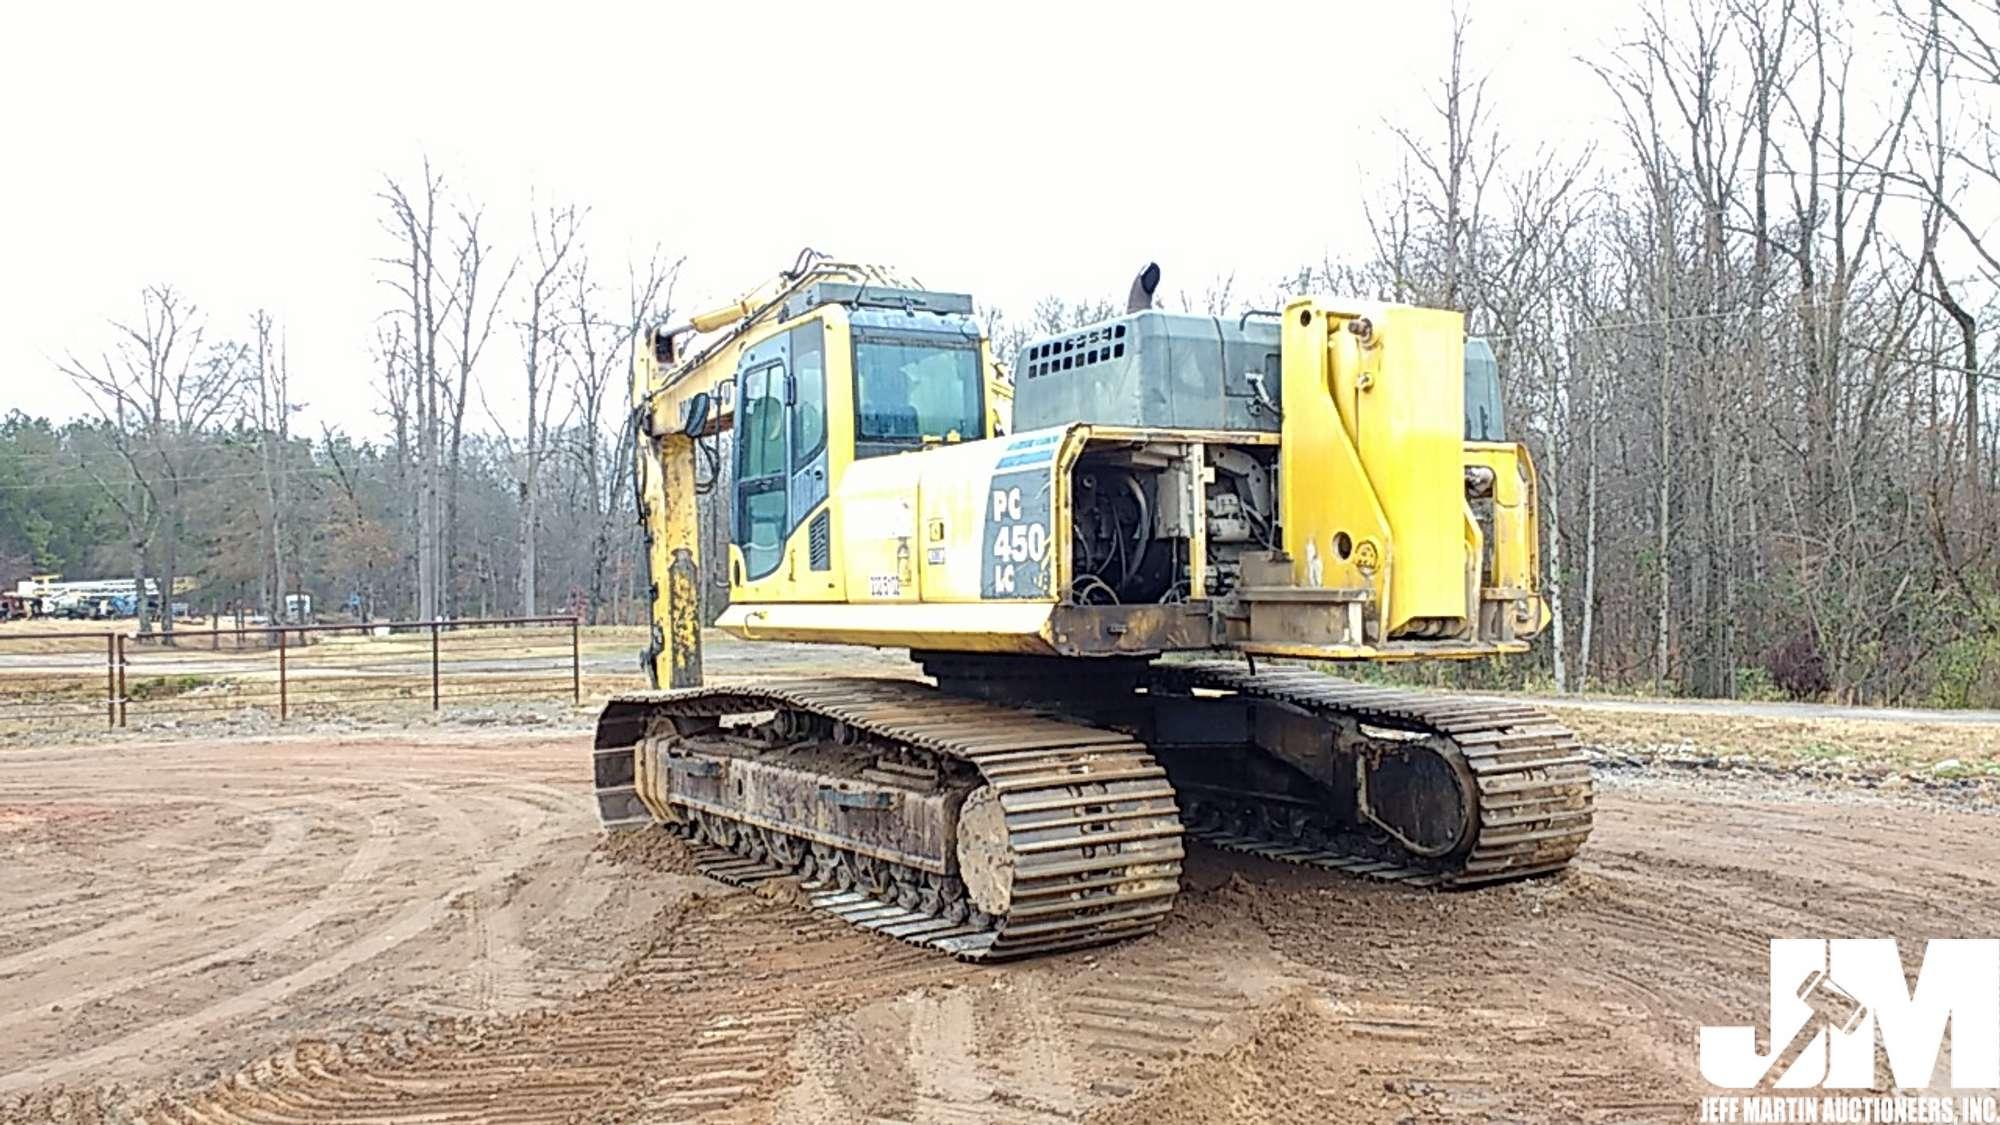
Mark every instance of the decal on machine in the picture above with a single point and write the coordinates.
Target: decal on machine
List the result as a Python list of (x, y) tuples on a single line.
[(1037, 450), (1019, 554), (885, 586)]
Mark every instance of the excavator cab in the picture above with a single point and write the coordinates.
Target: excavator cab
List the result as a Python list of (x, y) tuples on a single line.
[(847, 375)]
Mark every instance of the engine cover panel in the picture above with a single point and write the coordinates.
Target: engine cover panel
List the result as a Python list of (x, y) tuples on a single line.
[(1152, 368)]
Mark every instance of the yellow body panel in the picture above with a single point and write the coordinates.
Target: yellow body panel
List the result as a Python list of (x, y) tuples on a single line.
[(1373, 491), (931, 525), (1324, 491), (1428, 650), (1513, 561), (1516, 560), (1000, 396), (1009, 627), (877, 552)]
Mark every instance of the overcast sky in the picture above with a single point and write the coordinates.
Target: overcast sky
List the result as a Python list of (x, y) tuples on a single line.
[(1009, 149)]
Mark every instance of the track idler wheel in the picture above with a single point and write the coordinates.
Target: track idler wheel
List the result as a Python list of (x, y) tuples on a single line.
[(985, 854), (1421, 797)]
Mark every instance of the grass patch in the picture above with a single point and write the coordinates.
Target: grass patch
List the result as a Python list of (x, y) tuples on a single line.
[(1972, 747), (163, 687)]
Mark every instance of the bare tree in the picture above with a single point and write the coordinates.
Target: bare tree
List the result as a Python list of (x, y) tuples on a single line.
[(602, 346), (1448, 204), (1958, 51), (269, 386), (159, 390), (542, 340), (447, 294), (471, 312), (412, 220)]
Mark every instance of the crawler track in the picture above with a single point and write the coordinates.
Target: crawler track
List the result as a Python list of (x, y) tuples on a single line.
[(1092, 845), (1532, 789), (1092, 823)]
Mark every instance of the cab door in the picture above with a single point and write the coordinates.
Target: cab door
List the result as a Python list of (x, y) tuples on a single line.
[(760, 516), (780, 521)]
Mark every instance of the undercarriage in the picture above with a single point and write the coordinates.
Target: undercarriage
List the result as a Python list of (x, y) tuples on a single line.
[(1027, 805)]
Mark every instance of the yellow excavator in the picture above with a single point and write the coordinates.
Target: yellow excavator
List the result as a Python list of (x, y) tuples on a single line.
[(1112, 566)]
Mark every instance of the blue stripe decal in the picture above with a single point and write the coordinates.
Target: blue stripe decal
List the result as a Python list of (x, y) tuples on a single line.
[(1018, 460), (1034, 442)]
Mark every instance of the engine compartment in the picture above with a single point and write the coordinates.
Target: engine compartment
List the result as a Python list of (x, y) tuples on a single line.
[(1142, 511)]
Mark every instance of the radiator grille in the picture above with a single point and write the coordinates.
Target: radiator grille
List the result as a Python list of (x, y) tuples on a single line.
[(819, 541)]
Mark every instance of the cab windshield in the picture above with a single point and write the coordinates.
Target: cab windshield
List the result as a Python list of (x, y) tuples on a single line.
[(911, 387)]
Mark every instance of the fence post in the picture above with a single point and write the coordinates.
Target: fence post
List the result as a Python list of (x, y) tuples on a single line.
[(110, 679), (121, 679), (575, 661), (434, 664), (284, 704)]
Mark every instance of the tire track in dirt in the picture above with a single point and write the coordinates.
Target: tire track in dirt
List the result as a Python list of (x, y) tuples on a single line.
[(339, 895), (973, 1058), (408, 923), (490, 976), (181, 848), (352, 888), (1577, 998), (374, 850), (1140, 1021), (701, 1021), (1039, 1042), (287, 833), (90, 887)]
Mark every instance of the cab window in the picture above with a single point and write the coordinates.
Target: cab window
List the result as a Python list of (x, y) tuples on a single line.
[(761, 517), (913, 387), (809, 409)]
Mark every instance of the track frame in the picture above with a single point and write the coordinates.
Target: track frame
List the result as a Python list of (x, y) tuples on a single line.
[(1080, 837)]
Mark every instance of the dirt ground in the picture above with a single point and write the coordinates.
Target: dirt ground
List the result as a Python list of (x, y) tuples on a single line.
[(426, 926)]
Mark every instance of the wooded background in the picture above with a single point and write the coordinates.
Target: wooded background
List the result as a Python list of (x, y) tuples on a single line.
[(1747, 335)]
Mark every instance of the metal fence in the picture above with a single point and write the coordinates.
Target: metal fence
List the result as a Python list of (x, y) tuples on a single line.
[(67, 677)]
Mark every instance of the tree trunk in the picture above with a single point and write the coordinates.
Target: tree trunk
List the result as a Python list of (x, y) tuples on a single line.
[(167, 586), (1664, 515), (1589, 565), (1968, 343), (139, 569), (1556, 638), (528, 526), (1551, 499), (278, 490), (423, 370), (450, 546)]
